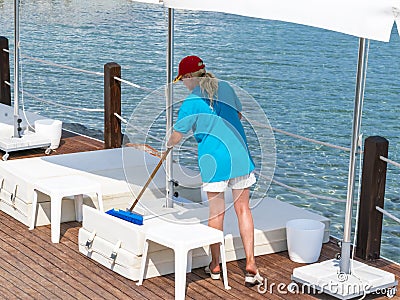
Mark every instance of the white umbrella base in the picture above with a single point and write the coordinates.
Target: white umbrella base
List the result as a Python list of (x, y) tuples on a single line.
[(325, 277)]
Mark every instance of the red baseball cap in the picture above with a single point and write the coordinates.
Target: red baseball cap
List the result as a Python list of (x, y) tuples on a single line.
[(189, 64)]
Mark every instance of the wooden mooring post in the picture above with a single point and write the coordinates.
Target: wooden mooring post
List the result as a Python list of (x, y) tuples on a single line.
[(5, 91), (112, 104), (372, 194)]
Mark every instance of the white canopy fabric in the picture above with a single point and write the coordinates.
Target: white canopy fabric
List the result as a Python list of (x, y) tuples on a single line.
[(371, 19)]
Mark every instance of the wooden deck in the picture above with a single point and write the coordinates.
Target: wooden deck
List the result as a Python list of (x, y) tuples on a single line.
[(31, 267)]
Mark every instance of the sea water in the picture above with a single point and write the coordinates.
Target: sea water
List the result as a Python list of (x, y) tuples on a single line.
[(302, 77)]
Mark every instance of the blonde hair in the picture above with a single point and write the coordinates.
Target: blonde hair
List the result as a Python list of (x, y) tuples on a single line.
[(208, 84)]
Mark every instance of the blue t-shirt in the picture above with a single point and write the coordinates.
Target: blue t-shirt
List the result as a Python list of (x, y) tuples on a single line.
[(222, 146)]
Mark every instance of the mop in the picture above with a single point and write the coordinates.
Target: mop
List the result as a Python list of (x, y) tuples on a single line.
[(128, 215)]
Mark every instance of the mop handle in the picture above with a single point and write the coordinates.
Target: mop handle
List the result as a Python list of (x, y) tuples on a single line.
[(150, 178)]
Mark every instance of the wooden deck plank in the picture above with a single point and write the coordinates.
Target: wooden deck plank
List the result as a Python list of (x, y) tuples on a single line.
[(10, 282), (165, 283), (18, 268), (38, 267), (17, 278), (197, 291), (46, 254), (205, 287)]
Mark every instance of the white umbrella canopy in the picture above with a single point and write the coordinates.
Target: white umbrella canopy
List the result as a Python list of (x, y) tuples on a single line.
[(372, 19)]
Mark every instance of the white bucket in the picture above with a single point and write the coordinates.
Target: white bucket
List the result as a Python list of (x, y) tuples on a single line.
[(304, 239), (51, 129)]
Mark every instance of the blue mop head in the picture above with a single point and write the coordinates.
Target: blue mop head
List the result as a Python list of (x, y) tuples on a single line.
[(126, 215)]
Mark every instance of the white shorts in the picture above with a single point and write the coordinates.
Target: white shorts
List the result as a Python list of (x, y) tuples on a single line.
[(237, 183)]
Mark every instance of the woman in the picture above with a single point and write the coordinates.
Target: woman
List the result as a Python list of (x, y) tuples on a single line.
[(212, 112)]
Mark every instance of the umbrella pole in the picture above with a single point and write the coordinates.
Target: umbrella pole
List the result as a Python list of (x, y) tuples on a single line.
[(16, 66), (169, 95), (340, 281), (358, 103)]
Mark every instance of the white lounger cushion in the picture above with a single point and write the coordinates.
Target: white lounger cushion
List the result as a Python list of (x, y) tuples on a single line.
[(103, 166)]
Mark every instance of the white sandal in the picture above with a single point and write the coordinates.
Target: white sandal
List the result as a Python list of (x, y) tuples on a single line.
[(253, 278), (214, 275)]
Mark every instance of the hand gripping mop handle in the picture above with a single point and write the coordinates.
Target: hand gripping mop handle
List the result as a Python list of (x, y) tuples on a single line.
[(164, 156)]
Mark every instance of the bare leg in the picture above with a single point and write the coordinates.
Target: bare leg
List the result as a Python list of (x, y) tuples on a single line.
[(246, 226), (216, 220)]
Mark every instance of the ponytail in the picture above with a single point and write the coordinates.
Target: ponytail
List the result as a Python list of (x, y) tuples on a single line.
[(208, 84)]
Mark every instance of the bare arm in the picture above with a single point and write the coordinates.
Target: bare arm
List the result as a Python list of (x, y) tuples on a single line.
[(174, 139)]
